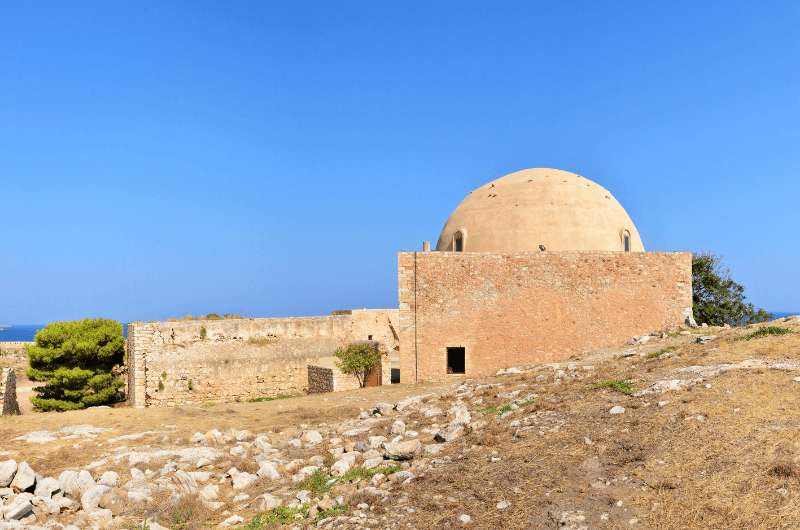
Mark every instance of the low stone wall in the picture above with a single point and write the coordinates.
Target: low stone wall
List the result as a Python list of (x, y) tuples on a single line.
[(320, 380), (8, 393), (177, 362)]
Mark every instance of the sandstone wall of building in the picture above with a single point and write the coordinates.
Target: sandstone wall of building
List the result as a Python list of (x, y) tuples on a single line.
[(512, 309), (8, 393), (177, 362)]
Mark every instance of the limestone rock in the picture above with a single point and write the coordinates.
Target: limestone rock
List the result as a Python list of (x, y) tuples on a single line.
[(384, 409), (268, 470), (617, 409), (109, 478), (19, 509), (460, 414), (373, 462), (398, 427), (311, 437), (8, 469), (266, 502), (46, 487), (241, 479), (185, 483), (210, 492), (448, 434), (705, 338), (25, 478), (90, 499), (405, 450)]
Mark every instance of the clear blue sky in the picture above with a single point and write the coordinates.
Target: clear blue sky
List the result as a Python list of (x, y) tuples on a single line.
[(270, 158)]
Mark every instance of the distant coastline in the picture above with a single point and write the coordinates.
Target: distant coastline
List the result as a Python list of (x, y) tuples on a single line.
[(27, 332)]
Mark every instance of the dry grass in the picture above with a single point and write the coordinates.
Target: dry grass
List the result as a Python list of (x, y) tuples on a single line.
[(736, 467)]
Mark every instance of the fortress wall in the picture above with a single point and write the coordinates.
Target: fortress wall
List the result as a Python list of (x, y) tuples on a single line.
[(177, 362), (8, 392), (514, 309)]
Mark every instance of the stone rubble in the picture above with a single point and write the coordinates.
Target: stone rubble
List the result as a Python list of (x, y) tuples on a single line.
[(370, 457)]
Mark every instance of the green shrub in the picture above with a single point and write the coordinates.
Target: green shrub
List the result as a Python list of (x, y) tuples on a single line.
[(279, 515), (318, 482), (358, 359), (716, 298), (270, 398), (213, 316), (203, 333), (658, 353), (766, 331), (619, 385), (75, 361), (356, 473), (335, 511)]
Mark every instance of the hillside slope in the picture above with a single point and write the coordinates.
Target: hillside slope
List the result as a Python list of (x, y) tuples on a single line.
[(668, 433)]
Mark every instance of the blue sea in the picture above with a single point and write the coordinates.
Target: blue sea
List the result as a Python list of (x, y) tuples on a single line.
[(26, 332)]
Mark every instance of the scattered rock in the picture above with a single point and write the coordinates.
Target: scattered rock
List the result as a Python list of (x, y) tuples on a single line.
[(24, 479), (617, 409), (8, 469), (404, 450)]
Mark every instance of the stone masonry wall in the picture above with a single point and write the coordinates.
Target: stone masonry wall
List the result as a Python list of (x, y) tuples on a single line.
[(320, 380), (512, 309), (8, 393), (177, 362)]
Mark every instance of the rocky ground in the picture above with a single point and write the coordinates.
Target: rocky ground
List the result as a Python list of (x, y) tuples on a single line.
[(693, 429)]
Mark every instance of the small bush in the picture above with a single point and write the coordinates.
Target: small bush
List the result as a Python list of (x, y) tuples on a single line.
[(358, 359), (623, 386), (357, 473), (270, 398), (339, 509), (658, 353), (203, 333), (499, 410), (213, 316), (279, 515), (318, 482), (766, 331)]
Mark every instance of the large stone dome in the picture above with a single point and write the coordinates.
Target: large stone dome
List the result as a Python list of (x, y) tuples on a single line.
[(539, 209)]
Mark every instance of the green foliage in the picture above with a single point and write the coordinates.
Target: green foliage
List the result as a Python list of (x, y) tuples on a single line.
[(766, 331), (203, 333), (75, 361), (271, 398), (623, 386), (335, 511), (658, 353), (213, 316), (356, 473), (716, 298), (498, 410), (358, 359), (318, 482), (278, 515)]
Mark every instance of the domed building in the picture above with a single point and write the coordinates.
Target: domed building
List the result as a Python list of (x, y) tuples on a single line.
[(535, 266), (540, 209)]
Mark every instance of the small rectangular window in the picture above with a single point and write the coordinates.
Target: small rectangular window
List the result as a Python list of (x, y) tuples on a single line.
[(456, 363)]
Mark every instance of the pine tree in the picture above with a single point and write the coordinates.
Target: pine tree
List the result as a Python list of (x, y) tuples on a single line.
[(716, 298), (75, 360)]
